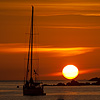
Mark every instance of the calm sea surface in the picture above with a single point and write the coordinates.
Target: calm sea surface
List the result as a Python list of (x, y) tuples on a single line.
[(9, 91)]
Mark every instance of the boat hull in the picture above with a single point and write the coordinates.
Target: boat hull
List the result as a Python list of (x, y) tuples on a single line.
[(33, 91)]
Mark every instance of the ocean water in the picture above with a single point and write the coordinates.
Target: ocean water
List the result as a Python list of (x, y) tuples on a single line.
[(9, 91)]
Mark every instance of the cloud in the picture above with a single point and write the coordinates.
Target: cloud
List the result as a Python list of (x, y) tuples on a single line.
[(80, 72), (92, 14), (52, 74), (66, 51), (89, 71), (72, 27), (51, 51), (55, 8)]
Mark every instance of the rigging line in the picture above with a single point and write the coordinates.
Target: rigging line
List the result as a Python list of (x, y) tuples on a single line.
[(36, 53), (36, 56), (32, 39), (29, 53), (28, 58)]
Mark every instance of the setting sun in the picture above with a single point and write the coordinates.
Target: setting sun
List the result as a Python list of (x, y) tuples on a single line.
[(70, 71)]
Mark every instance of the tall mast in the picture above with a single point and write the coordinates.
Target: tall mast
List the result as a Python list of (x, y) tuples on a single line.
[(32, 38)]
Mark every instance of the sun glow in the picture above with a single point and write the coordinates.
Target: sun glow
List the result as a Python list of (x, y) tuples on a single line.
[(70, 72)]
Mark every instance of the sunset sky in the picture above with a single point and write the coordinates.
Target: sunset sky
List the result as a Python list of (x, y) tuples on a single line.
[(69, 33)]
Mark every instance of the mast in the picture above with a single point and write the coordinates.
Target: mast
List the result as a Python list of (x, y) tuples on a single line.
[(32, 39)]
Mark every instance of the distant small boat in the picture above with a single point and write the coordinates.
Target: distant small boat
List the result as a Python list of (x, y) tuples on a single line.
[(31, 87)]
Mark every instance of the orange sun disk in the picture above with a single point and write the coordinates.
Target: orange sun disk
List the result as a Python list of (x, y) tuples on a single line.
[(70, 71)]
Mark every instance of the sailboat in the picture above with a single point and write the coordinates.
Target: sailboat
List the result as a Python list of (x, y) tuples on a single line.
[(31, 86)]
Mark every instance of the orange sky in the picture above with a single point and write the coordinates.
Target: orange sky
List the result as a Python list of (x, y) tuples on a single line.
[(69, 33)]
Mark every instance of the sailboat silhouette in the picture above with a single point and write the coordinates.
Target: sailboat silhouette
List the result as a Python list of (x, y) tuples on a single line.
[(32, 87)]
